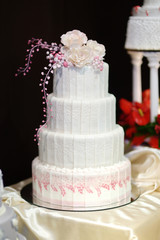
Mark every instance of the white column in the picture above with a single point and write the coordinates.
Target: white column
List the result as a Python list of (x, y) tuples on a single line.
[(136, 60), (153, 59)]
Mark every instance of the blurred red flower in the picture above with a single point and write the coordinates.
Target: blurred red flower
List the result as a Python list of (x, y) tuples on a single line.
[(157, 129), (146, 97), (154, 142), (135, 112), (130, 132), (138, 140), (158, 119), (135, 118)]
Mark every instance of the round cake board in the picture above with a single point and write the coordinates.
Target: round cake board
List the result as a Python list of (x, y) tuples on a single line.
[(26, 194)]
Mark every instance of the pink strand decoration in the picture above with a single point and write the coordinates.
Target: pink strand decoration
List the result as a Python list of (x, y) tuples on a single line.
[(52, 51)]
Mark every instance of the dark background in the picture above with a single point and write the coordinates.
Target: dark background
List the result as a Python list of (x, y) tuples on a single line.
[(21, 98)]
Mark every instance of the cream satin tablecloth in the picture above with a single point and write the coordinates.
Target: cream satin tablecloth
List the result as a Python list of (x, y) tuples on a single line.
[(139, 220)]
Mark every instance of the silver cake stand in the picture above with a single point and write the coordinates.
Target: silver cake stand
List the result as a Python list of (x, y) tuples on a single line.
[(26, 194)]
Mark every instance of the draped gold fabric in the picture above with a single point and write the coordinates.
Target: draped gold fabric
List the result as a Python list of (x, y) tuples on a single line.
[(139, 220)]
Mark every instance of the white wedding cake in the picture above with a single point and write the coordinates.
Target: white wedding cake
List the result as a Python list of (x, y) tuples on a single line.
[(8, 220), (81, 161), (143, 30)]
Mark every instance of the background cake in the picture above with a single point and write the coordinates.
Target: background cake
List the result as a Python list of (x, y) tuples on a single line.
[(8, 220), (81, 159), (143, 30), (140, 120)]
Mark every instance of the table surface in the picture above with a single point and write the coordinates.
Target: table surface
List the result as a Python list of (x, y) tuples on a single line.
[(139, 220)]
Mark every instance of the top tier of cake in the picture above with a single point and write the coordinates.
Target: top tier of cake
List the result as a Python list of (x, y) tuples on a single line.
[(81, 83)]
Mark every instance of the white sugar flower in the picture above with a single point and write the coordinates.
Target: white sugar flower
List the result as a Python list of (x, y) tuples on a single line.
[(64, 50), (97, 49), (73, 38), (79, 56)]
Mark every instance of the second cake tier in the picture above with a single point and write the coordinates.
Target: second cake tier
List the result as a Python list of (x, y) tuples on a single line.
[(81, 151), (81, 117)]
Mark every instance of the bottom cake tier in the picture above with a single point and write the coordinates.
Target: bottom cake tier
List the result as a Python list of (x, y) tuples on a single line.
[(82, 188)]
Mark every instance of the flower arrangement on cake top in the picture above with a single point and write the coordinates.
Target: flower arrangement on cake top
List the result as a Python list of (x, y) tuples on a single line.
[(135, 119), (79, 51), (74, 50)]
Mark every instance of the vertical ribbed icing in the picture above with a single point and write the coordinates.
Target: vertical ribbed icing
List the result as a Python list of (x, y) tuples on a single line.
[(80, 83), (81, 116), (81, 151), (151, 3)]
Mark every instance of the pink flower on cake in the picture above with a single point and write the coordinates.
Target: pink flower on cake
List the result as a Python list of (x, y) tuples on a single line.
[(79, 56), (106, 186), (96, 48), (40, 185), (80, 188), (54, 188), (63, 192), (73, 38)]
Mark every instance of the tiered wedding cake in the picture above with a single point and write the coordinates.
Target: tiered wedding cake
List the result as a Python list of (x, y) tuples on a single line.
[(143, 31), (81, 161), (8, 221)]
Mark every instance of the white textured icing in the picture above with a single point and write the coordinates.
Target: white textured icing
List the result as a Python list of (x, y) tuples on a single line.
[(143, 29), (146, 12), (151, 3), (81, 116), (81, 151), (82, 187), (81, 83), (143, 33)]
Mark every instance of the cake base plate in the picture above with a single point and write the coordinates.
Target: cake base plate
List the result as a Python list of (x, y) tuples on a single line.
[(26, 194)]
